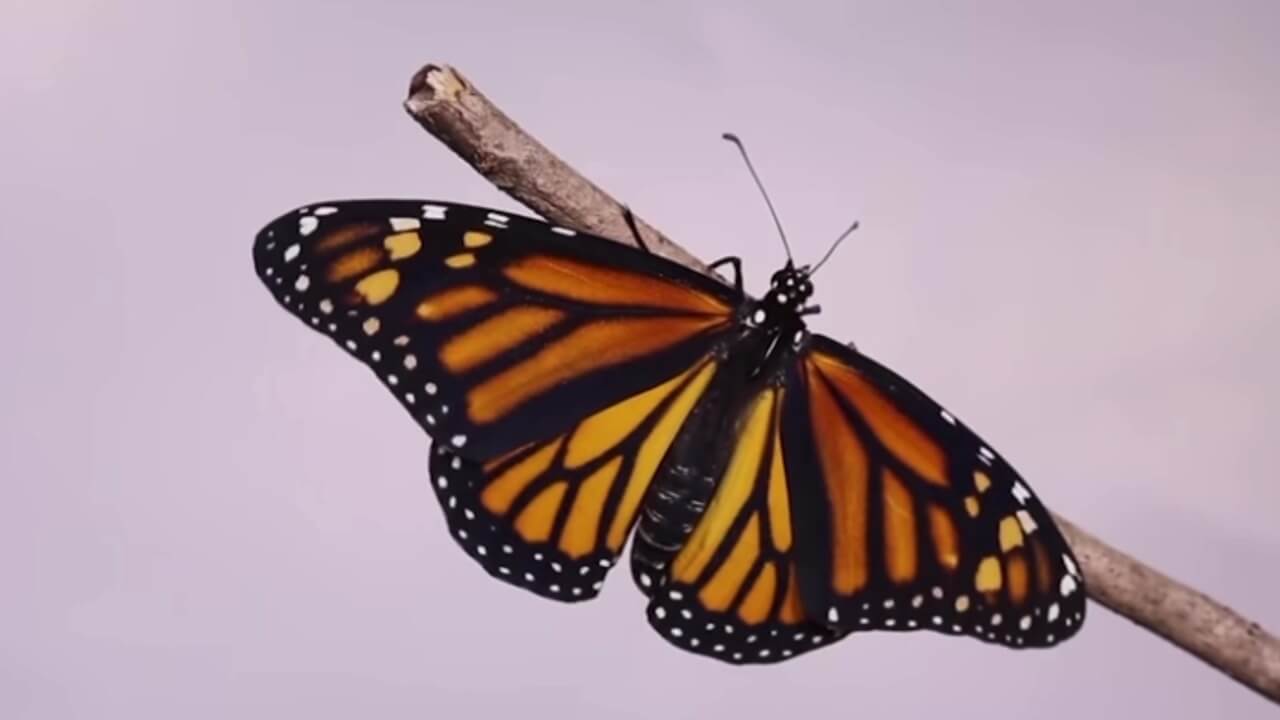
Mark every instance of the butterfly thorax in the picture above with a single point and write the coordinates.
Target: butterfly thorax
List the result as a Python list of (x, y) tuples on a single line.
[(789, 290)]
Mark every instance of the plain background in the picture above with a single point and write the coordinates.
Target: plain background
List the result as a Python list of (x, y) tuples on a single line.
[(1069, 238)]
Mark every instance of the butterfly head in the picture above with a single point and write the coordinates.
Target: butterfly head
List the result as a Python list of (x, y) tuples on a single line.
[(789, 290)]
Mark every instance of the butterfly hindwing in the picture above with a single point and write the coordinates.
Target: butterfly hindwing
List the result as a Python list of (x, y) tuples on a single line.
[(911, 521), (552, 516)]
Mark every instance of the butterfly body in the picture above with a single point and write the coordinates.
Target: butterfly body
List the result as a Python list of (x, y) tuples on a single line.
[(782, 490)]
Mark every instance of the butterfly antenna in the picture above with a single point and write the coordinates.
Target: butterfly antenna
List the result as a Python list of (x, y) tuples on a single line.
[(750, 168), (833, 247)]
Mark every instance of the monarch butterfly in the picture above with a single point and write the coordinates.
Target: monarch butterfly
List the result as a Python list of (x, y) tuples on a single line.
[(784, 489)]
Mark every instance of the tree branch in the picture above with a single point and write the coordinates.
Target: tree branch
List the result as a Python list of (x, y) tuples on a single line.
[(457, 114)]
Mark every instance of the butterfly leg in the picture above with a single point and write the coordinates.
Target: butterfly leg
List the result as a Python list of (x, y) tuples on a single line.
[(635, 231), (737, 270)]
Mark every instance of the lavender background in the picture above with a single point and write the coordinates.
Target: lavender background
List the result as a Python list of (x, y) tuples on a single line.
[(1069, 238)]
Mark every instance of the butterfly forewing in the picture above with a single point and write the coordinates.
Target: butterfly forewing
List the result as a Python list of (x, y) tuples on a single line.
[(911, 521), (492, 330)]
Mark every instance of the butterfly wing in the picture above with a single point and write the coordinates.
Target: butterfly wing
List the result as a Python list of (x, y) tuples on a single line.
[(551, 368), (553, 515), (727, 585), (905, 519)]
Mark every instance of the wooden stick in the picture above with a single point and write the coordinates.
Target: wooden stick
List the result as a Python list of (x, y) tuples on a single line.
[(457, 114)]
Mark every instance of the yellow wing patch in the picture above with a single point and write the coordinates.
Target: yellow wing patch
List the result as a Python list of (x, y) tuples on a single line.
[(738, 557), (402, 245), (735, 486), (502, 489), (377, 287), (652, 451), (611, 454), (583, 526)]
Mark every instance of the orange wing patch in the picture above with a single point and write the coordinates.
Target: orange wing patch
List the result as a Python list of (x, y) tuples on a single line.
[(455, 301), (343, 236), (591, 347), (845, 472), (899, 529), (595, 285), (493, 336), (892, 427)]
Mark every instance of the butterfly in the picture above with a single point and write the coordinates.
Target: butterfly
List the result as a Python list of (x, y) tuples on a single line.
[(782, 489)]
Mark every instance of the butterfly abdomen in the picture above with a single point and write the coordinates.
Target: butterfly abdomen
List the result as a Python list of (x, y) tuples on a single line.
[(687, 478)]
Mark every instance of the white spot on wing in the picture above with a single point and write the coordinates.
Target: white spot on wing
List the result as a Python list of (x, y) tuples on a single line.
[(1071, 565), (326, 210), (433, 212), (292, 252), (400, 224), (307, 225), (1068, 585), (564, 231), (1021, 493)]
